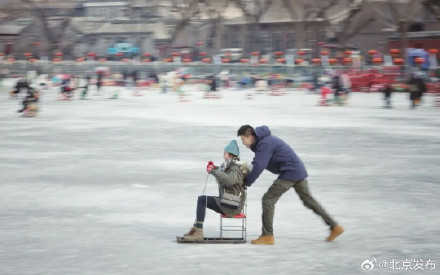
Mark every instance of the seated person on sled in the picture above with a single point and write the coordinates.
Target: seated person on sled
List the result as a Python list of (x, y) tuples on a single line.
[(230, 177), (30, 101)]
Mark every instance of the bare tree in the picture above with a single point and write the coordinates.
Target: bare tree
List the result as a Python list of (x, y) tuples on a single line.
[(52, 29), (186, 10), (402, 19), (303, 12), (354, 22), (433, 6), (215, 12), (253, 14)]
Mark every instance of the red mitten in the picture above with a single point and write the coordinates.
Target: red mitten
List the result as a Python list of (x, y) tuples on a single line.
[(210, 163), (209, 168)]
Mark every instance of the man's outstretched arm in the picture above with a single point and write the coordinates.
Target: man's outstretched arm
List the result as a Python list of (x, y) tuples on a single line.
[(261, 159)]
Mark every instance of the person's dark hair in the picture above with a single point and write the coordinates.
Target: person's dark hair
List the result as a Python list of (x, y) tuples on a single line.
[(245, 130)]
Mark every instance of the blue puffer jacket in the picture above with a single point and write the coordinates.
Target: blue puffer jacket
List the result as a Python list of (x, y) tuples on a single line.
[(275, 155)]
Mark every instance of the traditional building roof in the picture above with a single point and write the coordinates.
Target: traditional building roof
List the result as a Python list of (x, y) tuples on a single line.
[(105, 4), (9, 29), (99, 26)]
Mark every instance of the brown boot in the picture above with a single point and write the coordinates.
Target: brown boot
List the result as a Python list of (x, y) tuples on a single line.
[(335, 232), (197, 235), (264, 240)]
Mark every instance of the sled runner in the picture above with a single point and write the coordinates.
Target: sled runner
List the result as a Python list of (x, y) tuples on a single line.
[(212, 240)]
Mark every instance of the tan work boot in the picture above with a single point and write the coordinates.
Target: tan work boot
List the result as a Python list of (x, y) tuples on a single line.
[(190, 232), (264, 240), (335, 232), (197, 235)]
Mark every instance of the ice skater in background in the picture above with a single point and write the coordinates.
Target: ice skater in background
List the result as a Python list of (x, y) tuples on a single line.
[(387, 91), (276, 156), (417, 88), (230, 178), (85, 87), (30, 107), (99, 81)]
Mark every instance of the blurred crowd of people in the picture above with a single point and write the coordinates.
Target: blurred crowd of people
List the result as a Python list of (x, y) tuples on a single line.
[(326, 83)]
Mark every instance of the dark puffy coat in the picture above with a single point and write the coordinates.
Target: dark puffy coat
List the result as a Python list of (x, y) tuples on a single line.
[(273, 154)]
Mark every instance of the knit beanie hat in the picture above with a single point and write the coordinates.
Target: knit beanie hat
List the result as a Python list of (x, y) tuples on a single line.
[(232, 148)]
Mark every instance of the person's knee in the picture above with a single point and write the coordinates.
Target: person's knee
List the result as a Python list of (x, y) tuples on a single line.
[(267, 200), (201, 199), (307, 203)]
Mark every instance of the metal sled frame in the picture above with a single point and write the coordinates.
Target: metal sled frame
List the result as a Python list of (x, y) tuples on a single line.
[(213, 240), (239, 228)]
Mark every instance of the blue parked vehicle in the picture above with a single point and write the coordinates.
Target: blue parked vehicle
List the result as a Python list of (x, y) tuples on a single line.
[(414, 53), (127, 49)]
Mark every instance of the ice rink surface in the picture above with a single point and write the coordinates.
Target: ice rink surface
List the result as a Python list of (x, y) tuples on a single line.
[(103, 186)]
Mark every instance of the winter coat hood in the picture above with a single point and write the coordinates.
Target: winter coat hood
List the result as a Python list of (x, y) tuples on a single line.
[(262, 131), (244, 167)]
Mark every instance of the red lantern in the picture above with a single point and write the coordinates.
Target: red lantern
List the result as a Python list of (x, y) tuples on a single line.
[(169, 59), (146, 54), (394, 51), (321, 43), (91, 54), (433, 51), (79, 59), (57, 59), (278, 53), (300, 52), (348, 52), (263, 61), (187, 60), (316, 60), (226, 60), (333, 61), (32, 60), (2, 54), (398, 60), (419, 60), (244, 60), (199, 43), (119, 54), (346, 60), (27, 54), (59, 54), (372, 52), (206, 60), (325, 53), (175, 54), (36, 43), (203, 54), (255, 53), (299, 61), (10, 60), (377, 60), (125, 60), (281, 60)]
